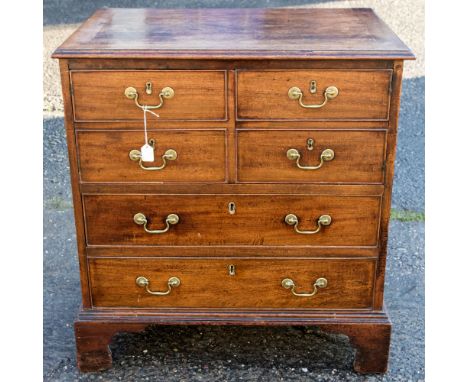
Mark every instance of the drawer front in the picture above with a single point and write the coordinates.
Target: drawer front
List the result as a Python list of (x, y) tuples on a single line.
[(268, 156), (208, 220), (212, 283), (104, 156), (100, 95), (362, 95)]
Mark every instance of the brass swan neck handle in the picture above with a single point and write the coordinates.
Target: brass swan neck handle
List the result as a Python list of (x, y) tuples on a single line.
[(169, 155), (140, 219), (326, 156), (329, 93), (165, 93), (143, 282), (293, 220), (319, 283)]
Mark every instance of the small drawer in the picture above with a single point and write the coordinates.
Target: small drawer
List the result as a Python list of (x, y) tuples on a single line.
[(232, 283), (182, 95), (179, 156), (244, 220), (313, 95), (311, 156)]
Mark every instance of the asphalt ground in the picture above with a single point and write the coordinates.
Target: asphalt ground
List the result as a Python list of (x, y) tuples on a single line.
[(197, 353)]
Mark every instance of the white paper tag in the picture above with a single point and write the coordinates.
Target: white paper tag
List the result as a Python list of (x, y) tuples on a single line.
[(147, 153)]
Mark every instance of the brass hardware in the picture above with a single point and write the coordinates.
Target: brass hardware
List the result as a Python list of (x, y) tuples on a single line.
[(319, 283), (140, 219), (310, 144), (293, 220), (232, 208), (143, 282), (166, 93), (329, 93), (149, 88), (326, 156), (169, 155), (313, 87), (232, 270)]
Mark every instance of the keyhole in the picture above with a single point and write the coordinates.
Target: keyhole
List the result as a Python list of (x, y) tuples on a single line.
[(310, 144), (149, 88), (232, 208), (232, 270), (313, 87)]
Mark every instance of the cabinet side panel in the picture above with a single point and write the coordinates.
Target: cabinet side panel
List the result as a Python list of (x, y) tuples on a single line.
[(389, 171), (77, 203)]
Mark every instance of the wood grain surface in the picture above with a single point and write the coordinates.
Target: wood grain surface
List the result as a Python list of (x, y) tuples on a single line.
[(206, 221), (359, 156), (234, 33), (206, 283), (363, 94), (75, 184), (198, 95), (104, 156)]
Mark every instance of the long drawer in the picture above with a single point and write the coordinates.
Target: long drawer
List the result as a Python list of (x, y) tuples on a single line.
[(102, 95), (232, 283), (313, 94), (311, 156), (197, 220), (113, 156)]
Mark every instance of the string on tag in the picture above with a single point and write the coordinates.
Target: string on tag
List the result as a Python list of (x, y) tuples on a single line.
[(147, 151), (146, 110)]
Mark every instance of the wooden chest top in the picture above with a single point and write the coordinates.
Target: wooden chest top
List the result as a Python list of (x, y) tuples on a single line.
[(235, 34)]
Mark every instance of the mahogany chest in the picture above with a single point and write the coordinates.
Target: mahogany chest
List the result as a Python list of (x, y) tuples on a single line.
[(259, 193)]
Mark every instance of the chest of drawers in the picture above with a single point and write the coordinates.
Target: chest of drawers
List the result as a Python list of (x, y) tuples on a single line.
[(268, 199)]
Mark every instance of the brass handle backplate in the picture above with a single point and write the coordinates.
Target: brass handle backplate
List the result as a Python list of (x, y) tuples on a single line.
[(140, 219), (143, 282), (326, 156), (329, 93), (169, 155), (293, 220), (319, 283), (165, 93)]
